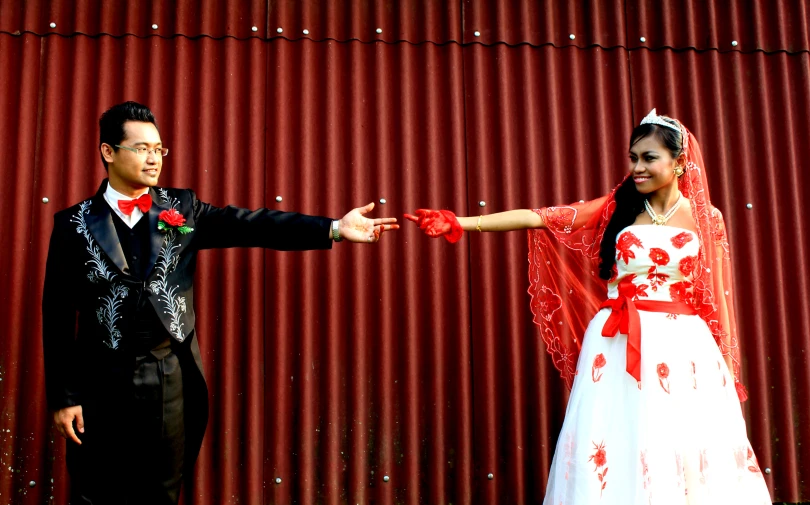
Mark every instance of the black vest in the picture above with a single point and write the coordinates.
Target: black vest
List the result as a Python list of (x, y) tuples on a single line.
[(146, 331)]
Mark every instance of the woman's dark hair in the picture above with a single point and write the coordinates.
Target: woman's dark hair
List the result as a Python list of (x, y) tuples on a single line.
[(111, 123), (629, 202)]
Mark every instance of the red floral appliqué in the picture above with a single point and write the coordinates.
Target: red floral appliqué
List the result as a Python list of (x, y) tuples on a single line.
[(640, 289), (645, 470), (599, 459), (704, 465), (753, 466), (679, 291), (623, 245), (598, 362), (687, 265), (659, 258), (681, 239), (663, 376), (739, 457), (694, 376)]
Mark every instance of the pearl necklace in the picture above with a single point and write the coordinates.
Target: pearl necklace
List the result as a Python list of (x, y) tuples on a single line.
[(658, 219)]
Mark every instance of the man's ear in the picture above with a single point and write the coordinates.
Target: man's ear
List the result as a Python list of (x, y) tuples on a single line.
[(106, 152)]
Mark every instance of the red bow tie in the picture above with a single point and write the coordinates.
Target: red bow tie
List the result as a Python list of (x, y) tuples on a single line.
[(143, 202)]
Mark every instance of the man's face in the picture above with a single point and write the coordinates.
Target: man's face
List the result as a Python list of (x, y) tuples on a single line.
[(130, 172)]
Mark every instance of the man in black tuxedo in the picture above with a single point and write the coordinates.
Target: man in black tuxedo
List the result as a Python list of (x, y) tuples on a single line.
[(123, 369)]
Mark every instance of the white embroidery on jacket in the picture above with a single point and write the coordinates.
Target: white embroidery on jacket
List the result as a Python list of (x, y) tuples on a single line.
[(175, 305), (166, 199), (107, 313)]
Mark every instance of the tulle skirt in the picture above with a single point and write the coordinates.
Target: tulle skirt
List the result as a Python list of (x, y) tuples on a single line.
[(675, 437)]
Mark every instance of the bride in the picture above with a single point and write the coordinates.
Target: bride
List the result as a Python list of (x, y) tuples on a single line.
[(654, 412)]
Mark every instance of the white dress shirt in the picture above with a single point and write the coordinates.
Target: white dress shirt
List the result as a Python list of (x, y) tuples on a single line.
[(112, 196)]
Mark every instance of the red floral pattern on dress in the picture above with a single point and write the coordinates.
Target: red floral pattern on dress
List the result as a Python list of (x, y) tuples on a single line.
[(663, 376), (659, 257), (641, 289), (679, 468), (687, 265), (694, 376), (753, 466), (645, 469), (599, 458), (596, 370), (681, 239), (679, 291), (739, 457), (623, 245), (655, 278), (704, 465)]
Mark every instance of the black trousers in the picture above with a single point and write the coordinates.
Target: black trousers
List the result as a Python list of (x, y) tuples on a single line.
[(132, 450)]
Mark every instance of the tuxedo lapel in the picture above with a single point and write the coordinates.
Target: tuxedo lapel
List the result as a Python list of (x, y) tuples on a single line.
[(100, 225), (155, 236)]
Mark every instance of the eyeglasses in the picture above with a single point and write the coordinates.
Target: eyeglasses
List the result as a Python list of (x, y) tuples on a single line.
[(142, 151)]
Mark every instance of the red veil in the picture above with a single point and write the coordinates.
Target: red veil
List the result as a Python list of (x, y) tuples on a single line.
[(564, 282)]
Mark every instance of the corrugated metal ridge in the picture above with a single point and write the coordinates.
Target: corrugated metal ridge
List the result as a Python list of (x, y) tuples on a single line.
[(414, 43)]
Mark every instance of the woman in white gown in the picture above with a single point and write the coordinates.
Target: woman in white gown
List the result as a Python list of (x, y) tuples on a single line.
[(654, 412)]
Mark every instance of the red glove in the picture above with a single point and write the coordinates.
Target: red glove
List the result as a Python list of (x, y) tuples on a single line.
[(438, 223)]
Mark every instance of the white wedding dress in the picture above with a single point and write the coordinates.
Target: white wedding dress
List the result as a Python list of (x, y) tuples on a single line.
[(675, 437)]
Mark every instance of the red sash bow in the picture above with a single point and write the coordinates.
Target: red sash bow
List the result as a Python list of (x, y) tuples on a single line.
[(624, 319)]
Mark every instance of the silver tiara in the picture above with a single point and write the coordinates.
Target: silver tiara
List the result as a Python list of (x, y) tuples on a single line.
[(653, 118)]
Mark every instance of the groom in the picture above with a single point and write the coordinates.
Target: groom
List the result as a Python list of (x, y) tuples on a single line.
[(123, 369)]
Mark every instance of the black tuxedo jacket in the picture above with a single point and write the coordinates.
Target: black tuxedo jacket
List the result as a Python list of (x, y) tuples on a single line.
[(90, 295)]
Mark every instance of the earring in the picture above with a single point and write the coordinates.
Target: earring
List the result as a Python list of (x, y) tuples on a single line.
[(679, 171)]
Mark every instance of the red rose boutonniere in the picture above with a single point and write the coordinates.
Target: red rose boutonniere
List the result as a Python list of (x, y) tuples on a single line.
[(172, 220)]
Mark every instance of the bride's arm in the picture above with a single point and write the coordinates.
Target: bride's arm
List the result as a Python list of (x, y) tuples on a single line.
[(521, 219)]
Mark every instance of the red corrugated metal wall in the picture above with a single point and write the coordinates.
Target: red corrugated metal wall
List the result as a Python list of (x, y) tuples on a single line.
[(414, 360)]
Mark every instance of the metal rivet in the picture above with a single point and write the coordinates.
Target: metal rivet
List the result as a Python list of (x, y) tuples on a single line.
[(279, 29), (734, 43), (32, 484), (379, 30), (749, 206), (45, 200), (278, 480), (572, 36), (643, 39), (477, 33), (278, 198), (254, 28), (306, 32), (383, 201), (482, 203), (490, 476), (52, 25), (154, 26), (768, 471), (386, 478)]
